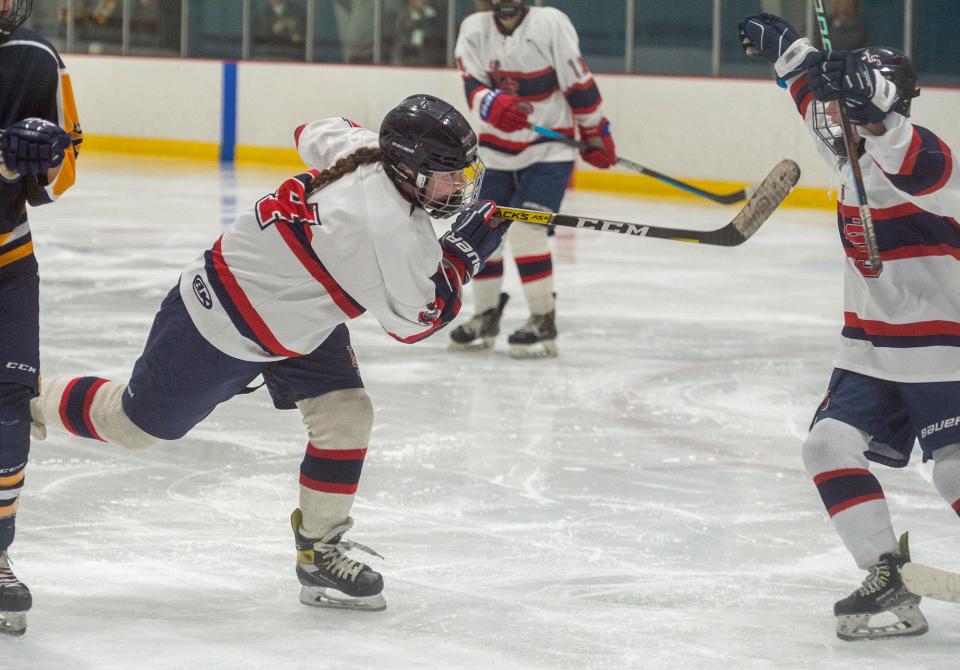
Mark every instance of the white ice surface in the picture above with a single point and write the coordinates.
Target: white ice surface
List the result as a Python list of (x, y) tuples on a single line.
[(638, 502)]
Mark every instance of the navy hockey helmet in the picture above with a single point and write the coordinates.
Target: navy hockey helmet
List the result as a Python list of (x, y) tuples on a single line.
[(895, 67), (426, 143), (12, 18), (506, 9)]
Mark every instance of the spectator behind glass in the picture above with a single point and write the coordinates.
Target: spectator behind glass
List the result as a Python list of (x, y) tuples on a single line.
[(355, 27), (279, 28), (482, 5), (421, 35), (155, 26), (848, 25)]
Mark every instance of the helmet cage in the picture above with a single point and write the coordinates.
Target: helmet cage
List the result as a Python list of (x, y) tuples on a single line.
[(507, 9), (19, 12)]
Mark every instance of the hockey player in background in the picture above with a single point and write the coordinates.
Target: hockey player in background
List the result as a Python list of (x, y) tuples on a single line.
[(39, 141), (521, 66), (272, 295), (897, 376)]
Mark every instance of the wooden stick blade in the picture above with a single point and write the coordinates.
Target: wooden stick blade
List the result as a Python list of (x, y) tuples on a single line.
[(769, 195), (932, 582)]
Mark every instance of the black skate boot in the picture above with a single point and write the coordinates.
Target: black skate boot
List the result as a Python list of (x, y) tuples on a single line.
[(883, 591), (329, 577), (15, 600), (480, 331), (537, 338)]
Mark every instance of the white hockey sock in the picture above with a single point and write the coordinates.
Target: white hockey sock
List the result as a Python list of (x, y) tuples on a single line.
[(946, 474), (339, 425), (833, 455), (88, 407)]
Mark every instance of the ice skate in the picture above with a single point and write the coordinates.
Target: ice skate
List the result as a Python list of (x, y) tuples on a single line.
[(537, 338), (15, 600), (481, 331), (329, 577), (883, 592)]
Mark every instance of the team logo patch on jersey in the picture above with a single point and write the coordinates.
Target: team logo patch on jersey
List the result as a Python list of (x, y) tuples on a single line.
[(202, 292)]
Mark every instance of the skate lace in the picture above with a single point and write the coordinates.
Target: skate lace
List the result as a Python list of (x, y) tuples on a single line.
[(6, 574), (335, 559), (876, 580), (534, 325)]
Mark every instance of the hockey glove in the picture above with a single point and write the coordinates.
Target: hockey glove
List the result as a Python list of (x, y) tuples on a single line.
[(868, 96), (776, 40), (473, 238), (33, 146), (601, 151), (504, 111)]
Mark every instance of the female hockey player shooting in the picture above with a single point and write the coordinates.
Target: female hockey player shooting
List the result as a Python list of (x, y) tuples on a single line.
[(271, 297), (897, 376)]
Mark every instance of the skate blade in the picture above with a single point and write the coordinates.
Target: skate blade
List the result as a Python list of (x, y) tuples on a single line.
[(476, 345), (13, 623), (856, 627), (318, 596), (545, 349)]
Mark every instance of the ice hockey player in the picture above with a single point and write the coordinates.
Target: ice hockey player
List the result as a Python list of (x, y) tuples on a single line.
[(272, 295), (522, 66), (39, 140), (897, 375)]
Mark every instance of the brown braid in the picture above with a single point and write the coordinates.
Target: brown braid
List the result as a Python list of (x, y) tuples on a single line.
[(345, 165)]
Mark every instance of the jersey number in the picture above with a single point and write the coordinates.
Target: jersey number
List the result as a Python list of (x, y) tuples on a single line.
[(288, 204)]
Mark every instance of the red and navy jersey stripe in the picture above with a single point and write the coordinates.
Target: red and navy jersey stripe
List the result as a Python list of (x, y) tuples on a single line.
[(926, 167), (298, 238), (471, 86), (332, 470), (843, 489), (531, 86), (584, 98), (800, 92), (532, 268), (937, 333), (235, 303), (491, 141), (903, 231), (75, 406)]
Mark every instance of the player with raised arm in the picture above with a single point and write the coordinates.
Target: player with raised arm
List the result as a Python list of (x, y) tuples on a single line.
[(272, 295), (897, 377), (521, 66), (39, 140)]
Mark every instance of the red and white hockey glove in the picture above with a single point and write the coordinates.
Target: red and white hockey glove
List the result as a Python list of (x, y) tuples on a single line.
[(601, 151), (504, 111)]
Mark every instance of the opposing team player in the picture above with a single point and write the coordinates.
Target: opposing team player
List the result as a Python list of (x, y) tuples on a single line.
[(897, 377), (521, 66), (36, 112), (272, 295)]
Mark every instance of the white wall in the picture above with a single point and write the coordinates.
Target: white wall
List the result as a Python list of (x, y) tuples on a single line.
[(725, 129)]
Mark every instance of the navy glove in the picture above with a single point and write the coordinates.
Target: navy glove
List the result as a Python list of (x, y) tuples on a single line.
[(33, 146), (866, 93), (776, 40), (473, 238)]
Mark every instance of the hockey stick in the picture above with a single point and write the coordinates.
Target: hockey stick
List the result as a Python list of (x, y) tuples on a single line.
[(932, 582), (765, 200), (722, 198), (869, 234)]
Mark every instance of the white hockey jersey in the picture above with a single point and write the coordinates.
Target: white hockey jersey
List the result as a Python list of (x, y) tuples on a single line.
[(285, 274), (540, 61), (903, 323)]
